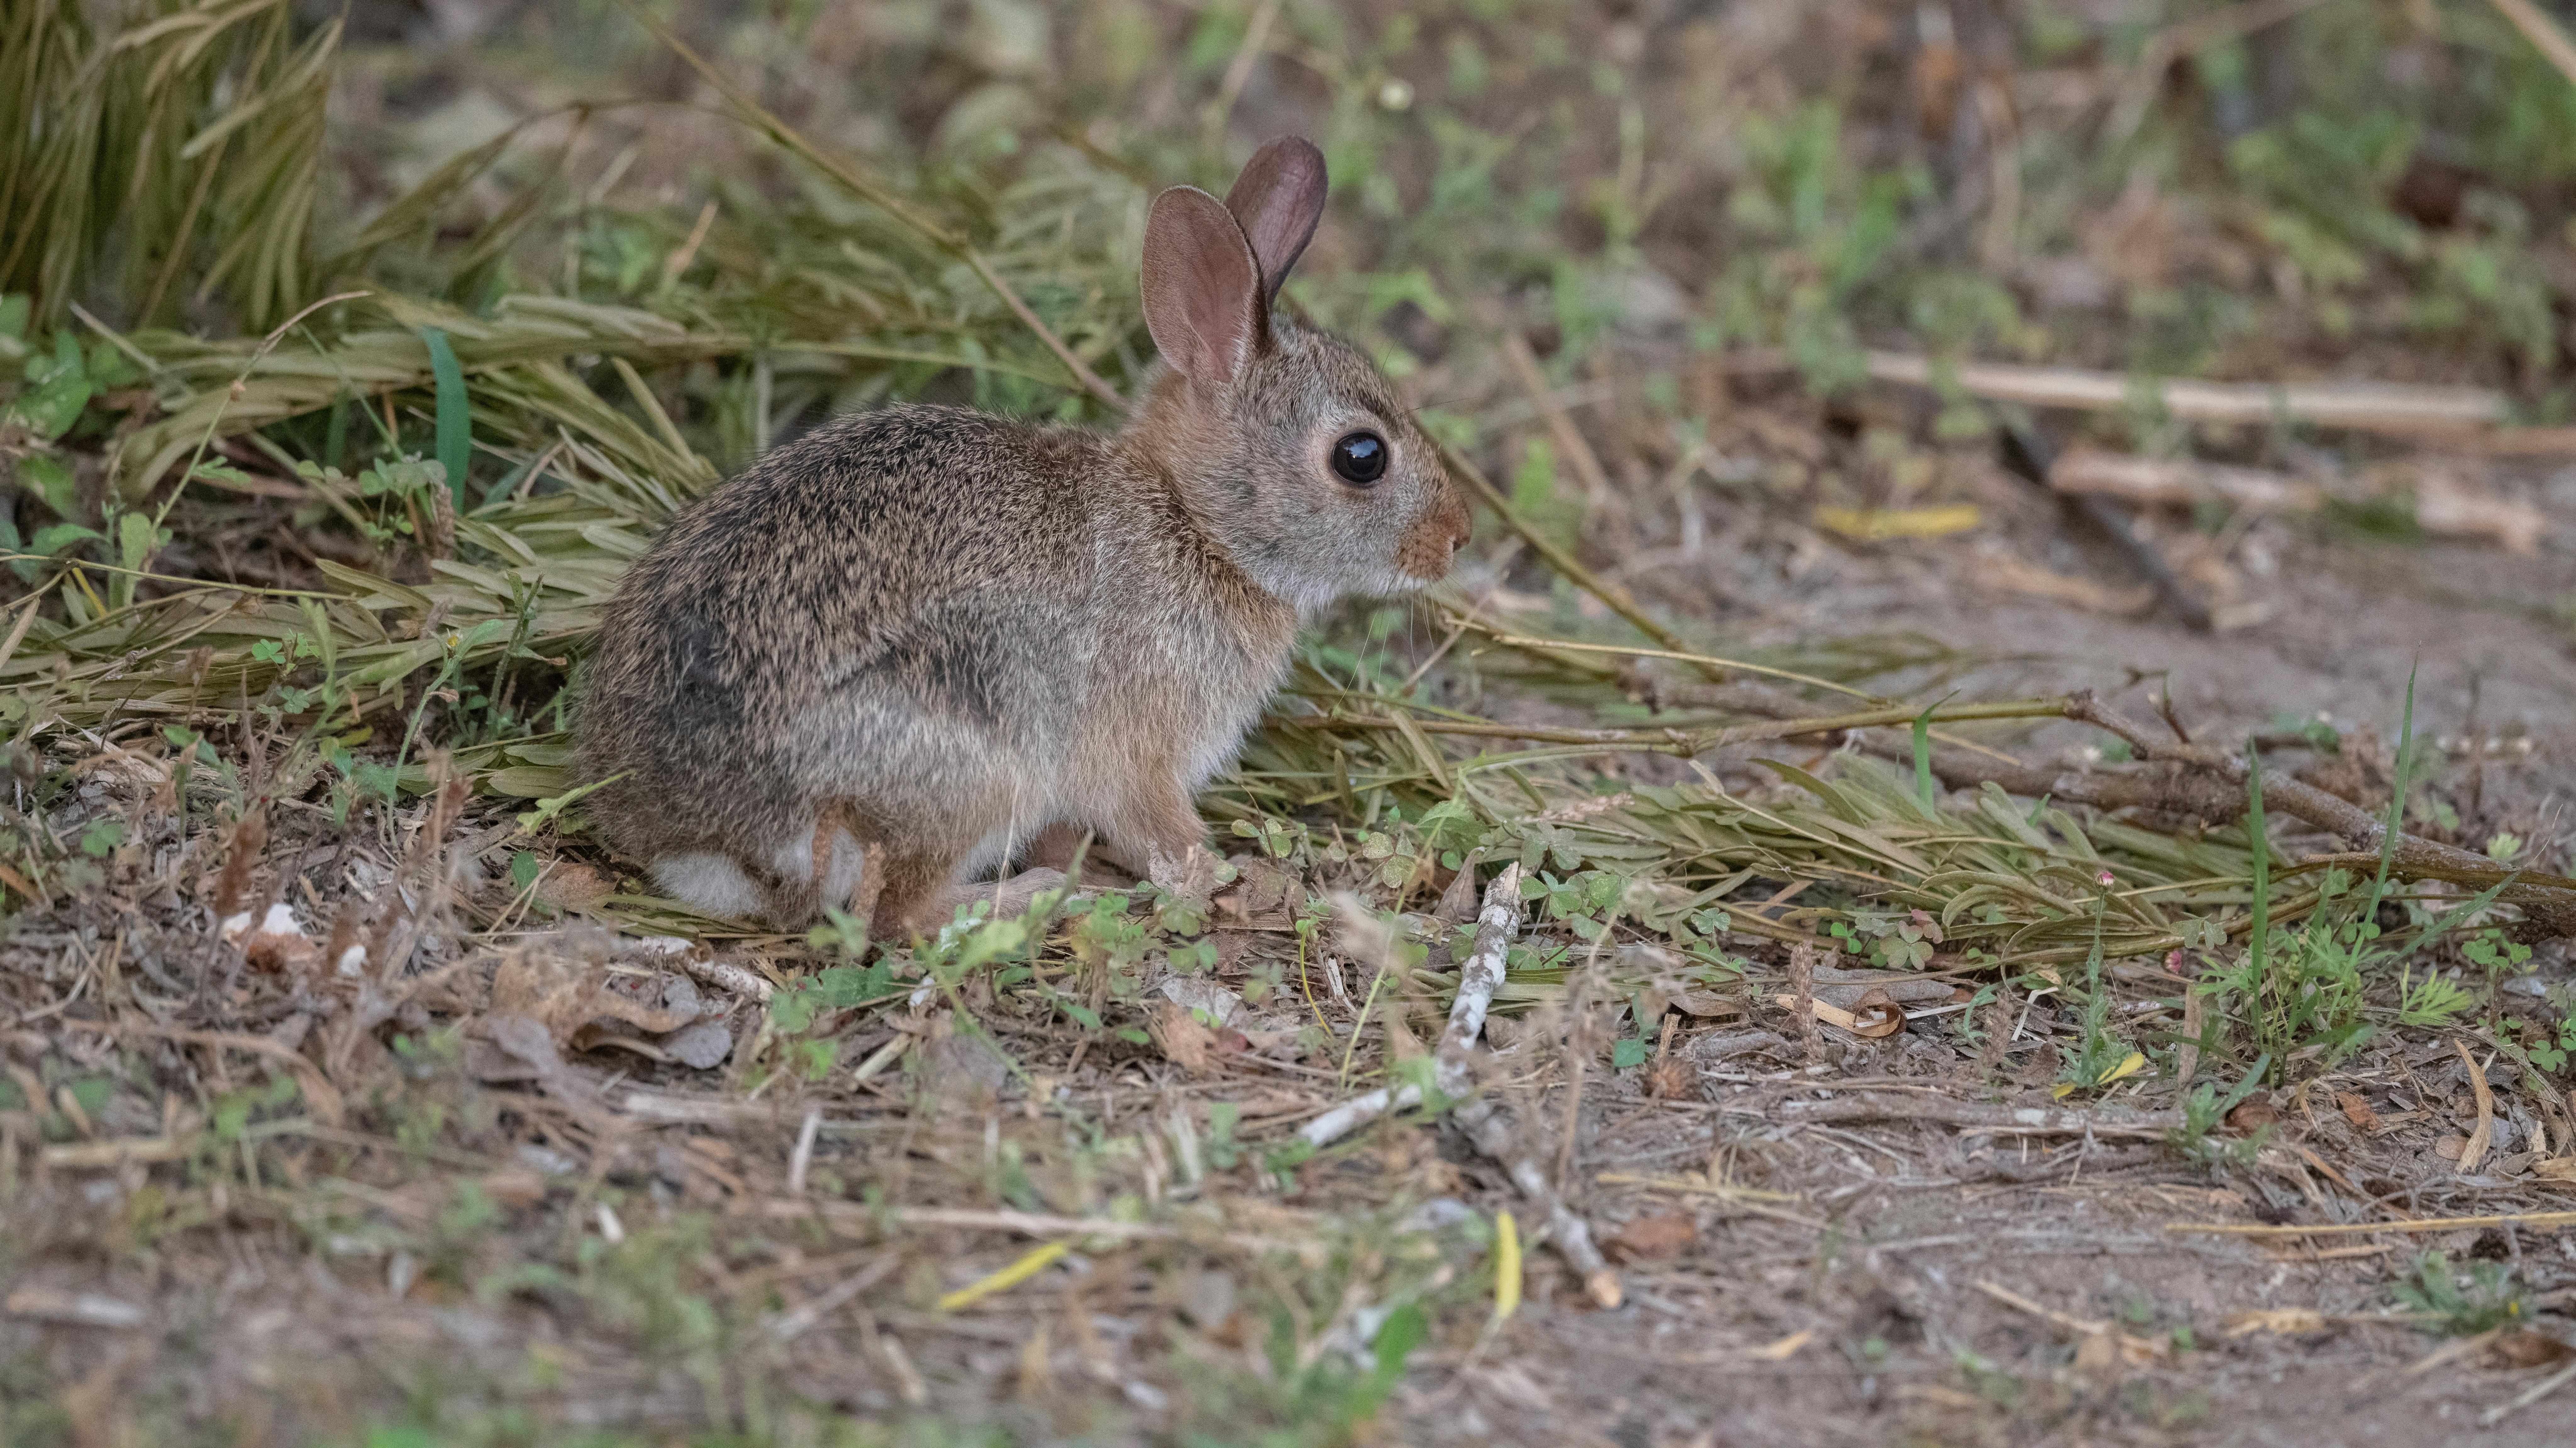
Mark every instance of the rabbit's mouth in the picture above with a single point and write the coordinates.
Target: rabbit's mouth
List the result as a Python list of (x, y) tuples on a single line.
[(1424, 553)]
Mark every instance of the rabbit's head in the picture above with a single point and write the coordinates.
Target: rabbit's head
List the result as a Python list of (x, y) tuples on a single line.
[(1289, 445)]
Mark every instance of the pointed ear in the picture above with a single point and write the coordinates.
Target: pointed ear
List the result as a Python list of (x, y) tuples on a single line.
[(1203, 299), (1278, 199)]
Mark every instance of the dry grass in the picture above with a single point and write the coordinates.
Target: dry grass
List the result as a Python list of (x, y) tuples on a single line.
[(334, 1041)]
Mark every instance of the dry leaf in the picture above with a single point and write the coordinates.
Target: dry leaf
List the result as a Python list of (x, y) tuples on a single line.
[(1667, 1079), (1664, 1234), (1876, 1016), (571, 885), (1876, 524), (278, 943), (1457, 902), (1704, 1004), (2358, 1112), (1785, 1348), (2476, 1149), (2519, 1348), (528, 1041), (1193, 876), (2451, 1148), (962, 1068), (2556, 1169), (1831, 1015), (1183, 1039), (2252, 1116), (568, 992)]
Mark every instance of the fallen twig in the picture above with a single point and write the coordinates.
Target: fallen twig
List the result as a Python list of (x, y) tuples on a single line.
[(795, 1320), (2132, 1348), (1482, 1119), (2548, 900), (2028, 457), (1688, 742), (1560, 424), (2035, 1120), (2361, 406), (2441, 504), (1491, 1130), (1454, 1075), (686, 955), (849, 1215)]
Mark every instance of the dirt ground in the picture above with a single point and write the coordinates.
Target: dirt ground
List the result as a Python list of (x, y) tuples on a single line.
[(1811, 1254), (1925, 1217), (558, 1186)]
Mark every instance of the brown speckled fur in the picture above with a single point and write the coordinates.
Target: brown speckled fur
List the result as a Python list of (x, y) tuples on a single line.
[(922, 634)]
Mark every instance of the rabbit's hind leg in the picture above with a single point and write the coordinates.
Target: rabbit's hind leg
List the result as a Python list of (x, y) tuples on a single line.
[(846, 873)]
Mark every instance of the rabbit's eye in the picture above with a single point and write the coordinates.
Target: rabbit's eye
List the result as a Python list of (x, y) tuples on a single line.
[(1360, 458)]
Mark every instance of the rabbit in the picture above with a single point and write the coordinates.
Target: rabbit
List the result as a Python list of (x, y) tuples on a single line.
[(889, 654)]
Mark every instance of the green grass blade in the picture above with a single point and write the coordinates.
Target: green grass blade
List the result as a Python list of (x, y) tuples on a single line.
[(2258, 939), (2396, 802), (455, 414), (1923, 789)]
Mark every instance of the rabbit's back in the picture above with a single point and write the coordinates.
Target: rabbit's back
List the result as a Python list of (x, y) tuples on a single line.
[(922, 576)]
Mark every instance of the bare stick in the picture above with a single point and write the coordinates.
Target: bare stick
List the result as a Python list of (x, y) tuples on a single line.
[(1484, 1121), (2036, 1120), (1496, 924), (2362, 406), (2548, 900), (684, 955), (1802, 1000), (1491, 1131)]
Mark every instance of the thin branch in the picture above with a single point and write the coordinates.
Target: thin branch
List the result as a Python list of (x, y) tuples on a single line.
[(1496, 924), (2549, 900), (2383, 407)]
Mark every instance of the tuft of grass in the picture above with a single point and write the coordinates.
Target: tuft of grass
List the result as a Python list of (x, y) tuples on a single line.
[(2461, 1301)]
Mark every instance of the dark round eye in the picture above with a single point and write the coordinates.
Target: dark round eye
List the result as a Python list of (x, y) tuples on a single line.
[(1360, 458)]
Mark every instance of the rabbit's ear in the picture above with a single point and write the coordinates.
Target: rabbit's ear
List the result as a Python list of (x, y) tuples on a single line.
[(1203, 299), (1277, 200)]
